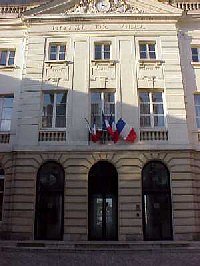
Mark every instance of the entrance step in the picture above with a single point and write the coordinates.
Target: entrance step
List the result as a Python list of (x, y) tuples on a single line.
[(168, 246)]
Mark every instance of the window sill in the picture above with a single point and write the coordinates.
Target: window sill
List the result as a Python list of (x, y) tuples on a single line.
[(153, 129), (102, 61), (9, 68), (150, 62), (195, 64), (58, 62), (53, 129)]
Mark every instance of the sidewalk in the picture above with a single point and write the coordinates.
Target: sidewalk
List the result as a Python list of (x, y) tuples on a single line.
[(99, 254)]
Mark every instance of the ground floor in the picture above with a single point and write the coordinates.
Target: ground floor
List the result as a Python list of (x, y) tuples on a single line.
[(107, 196)]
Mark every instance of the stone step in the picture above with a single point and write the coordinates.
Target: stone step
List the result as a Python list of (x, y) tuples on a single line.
[(171, 246)]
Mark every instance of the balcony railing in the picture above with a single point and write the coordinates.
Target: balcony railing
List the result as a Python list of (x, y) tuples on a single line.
[(104, 138), (188, 6), (4, 138), (154, 135), (52, 135), (13, 9)]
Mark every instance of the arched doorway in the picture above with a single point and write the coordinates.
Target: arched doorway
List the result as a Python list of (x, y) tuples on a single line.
[(156, 201), (49, 202), (103, 202)]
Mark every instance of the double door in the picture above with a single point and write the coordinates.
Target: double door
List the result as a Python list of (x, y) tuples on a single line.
[(103, 217)]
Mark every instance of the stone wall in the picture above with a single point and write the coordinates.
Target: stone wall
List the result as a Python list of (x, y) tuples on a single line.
[(20, 191)]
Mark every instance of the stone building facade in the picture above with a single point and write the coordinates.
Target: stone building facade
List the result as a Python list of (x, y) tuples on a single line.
[(62, 63)]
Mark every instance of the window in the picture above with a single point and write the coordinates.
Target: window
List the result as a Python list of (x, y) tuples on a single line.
[(147, 50), (197, 109), (102, 102), (6, 106), (54, 110), (7, 57), (102, 51), (2, 176), (57, 51), (151, 109), (195, 54)]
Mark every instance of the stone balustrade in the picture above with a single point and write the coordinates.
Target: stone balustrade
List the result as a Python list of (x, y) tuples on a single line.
[(4, 138), (154, 135), (13, 9), (188, 6), (45, 135)]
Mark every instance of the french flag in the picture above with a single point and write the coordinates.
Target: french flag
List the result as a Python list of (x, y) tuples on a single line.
[(108, 127), (125, 131), (111, 128)]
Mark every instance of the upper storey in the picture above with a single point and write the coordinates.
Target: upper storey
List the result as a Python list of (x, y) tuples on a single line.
[(85, 57)]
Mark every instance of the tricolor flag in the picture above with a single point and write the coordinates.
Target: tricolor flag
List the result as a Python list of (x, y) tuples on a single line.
[(115, 134), (125, 131), (95, 136), (110, 127)]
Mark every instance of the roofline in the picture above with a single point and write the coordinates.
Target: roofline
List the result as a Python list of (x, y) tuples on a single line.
[(83, 17)]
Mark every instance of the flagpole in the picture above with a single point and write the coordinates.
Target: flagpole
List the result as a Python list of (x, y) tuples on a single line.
[(89, 129), (120, 87)]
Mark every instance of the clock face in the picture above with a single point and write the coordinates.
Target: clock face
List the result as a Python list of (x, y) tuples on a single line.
[(103, 5)]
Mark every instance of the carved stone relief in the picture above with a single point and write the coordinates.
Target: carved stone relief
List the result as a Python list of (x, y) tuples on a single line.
[(107, 6), (102, 74), (150, 75), (56, 73)]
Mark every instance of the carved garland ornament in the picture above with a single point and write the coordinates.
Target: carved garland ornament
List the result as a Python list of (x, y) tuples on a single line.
[(104, 6)]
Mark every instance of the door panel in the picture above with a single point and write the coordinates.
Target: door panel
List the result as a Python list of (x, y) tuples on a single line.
[(157, 216), (49, 216), (103, 218), (96, 217)]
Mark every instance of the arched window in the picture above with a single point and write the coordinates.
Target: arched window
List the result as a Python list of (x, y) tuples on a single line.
[(49, 202), (2, 177)]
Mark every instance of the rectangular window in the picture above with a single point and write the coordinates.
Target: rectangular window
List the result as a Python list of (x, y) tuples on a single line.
[(147, 50), (195, 54), (6, 107), (1, 191), (57, 51), (151, 110), (7, 57), (102, 51), (54, 110), (197, 109), (102, 102)]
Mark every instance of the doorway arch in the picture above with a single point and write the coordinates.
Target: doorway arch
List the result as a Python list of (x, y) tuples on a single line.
[(103, 202), (156, 202), (49, 202)]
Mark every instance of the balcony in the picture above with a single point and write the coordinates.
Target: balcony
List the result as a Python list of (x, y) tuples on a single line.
[(4, 137), (154, 135), (188, 6), (49, 136)]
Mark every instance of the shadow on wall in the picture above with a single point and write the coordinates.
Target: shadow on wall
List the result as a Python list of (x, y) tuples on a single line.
[(27, 115)]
